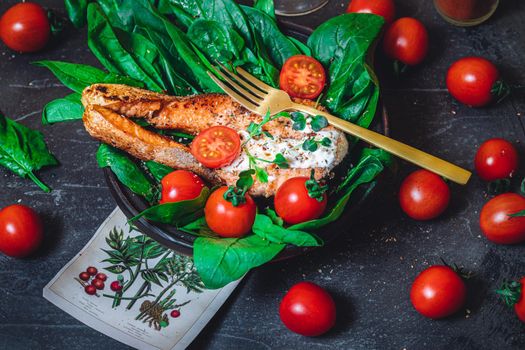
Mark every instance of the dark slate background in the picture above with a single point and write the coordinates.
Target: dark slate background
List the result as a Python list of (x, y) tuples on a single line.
[(369, 269)]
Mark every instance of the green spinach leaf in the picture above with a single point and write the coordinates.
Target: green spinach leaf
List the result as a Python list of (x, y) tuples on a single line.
[(63, 109), (23, 151), (266, 6), (158, 170), (76, 11), (265, 228)]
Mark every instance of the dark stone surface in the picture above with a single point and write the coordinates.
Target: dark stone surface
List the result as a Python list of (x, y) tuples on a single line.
[(369, 269)]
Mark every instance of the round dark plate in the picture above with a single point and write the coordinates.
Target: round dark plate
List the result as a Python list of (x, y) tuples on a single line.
[(182, 242)]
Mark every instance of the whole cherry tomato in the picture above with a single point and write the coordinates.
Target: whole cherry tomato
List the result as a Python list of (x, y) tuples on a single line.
[(180, 185), (25, 27), (496, 159), (21, 231), (308, 309), (383, 8), (228, 220), (303, 77), (424, 195), (496, 222), (438, 292), (475, 81), (406, 40), (513, 294), (297, 201), (216, 147)]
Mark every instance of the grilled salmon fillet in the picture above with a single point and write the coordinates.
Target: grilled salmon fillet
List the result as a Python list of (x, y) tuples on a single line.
[(108, 107)]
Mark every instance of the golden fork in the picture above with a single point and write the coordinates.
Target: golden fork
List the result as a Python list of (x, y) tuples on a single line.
[(260, 98)]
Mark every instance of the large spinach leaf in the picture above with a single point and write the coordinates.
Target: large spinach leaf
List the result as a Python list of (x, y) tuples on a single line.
[(23, 150), (220, 261), (127, 171), (75, 76), (63, 109), (76, 11)]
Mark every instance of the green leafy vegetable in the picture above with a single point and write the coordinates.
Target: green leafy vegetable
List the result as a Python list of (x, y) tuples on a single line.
[(318, 122), (127, 171), (299, 121), (76, 11), (266, 6), (75, 76), (23, 151), (177, 213), (312, 144), (158, 170), (265, 228), (63, 109)]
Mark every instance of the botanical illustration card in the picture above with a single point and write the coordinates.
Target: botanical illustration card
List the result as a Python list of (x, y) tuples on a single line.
[(131, 288)]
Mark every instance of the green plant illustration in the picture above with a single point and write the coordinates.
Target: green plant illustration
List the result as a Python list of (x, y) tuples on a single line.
[(131, 259)]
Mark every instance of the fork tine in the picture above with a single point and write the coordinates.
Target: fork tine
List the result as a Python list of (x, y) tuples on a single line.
[(259, 84), (239, 88), (238, 98), (247, 86)]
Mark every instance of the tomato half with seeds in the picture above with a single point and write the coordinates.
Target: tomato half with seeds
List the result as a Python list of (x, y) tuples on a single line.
[(438, 292), (303, 77), (228, 220), (383, 8), (180, 185), (216, 147), (496, 159), (497, 224), (406, 40)]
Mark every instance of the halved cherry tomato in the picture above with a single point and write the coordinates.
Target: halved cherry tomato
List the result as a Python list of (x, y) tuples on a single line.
[(438, 292), (406, 40), (294, 204), (21, 231), (383, 8), (216, 147), (25, 27), (424, 195), (474, 81), (496, 223), (302, 76), (180, 185), (228, 220), (496, 159)]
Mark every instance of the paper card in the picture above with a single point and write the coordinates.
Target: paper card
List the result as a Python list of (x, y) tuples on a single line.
[(162, 303)]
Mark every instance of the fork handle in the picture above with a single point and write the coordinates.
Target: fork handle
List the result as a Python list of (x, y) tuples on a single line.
[(406, 152)]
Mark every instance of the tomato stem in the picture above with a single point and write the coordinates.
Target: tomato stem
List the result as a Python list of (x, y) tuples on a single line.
[(510, 292)]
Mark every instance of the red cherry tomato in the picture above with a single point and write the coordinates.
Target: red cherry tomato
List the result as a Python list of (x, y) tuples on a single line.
[(519, 307), (496, 159), (406, 40), (101, 276), (25, 27), (383, 8), (92, 270), (21, 231), (227, 220), (496, 223), (180, 185), (216, 147), (303, 77), (474, 81), (438, 292), (293, 203), (424, 195), (99, 284), (308, 309)]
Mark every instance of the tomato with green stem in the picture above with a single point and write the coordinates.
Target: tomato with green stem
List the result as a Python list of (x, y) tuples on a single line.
[(424, 195), (302, 77), (475, 81), (25, 27), (496, 159), (438, 292), (406, 41), (513, 294), (383, 8), (502, 219), (180, 185), (21, 231)]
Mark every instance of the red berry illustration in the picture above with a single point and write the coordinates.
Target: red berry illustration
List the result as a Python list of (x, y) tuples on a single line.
[(116, 286), (101, 276), (89, 289), (84, 276), (92, 270), (175, 313), (99, 284)]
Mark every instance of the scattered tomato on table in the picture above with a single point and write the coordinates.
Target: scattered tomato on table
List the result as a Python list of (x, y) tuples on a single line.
[(383, 8), (308, 309), (21, 231), (25, 27), (406, 41), (496, 159), (502, 219), (513, 294), (216, 147), (475, 81), (424, 195), (303, 77), (438, 292), (180, 185), (300, 199)]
